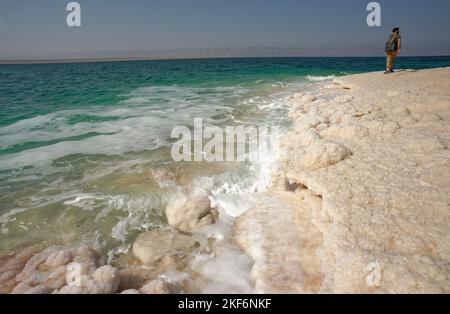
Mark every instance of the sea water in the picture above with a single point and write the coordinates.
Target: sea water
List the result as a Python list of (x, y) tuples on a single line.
[(85, 147)]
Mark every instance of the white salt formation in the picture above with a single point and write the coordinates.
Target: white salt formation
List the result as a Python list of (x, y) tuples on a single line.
[(50, 272), (278, 234), (375, 148)]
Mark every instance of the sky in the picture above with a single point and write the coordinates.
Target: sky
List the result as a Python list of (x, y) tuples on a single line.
[(32, 29)]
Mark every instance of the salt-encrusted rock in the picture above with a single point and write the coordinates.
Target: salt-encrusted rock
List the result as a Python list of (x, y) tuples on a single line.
[(307, 121), (5, 278), (48, 267), (322, 127), (280, 237), (381, 128), (426, 142), (296, 112), (154, 245), (431, 117), (393, 93), (321, 154), (343, 99), (345, 132), (160, 287), (59, 258), (12, 264), (309, 98), (384, 216), (39, 289), (136, 276), (104, 280), (313, 152), (189, 214), (66, 270), (131, 291), (21, 288)]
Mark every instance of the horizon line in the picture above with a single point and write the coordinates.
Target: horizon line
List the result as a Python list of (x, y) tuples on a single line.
[(130, 59)]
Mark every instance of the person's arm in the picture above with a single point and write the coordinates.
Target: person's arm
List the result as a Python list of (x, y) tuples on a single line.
[(399, 46)]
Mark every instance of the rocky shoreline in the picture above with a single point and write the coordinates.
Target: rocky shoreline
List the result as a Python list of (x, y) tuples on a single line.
[(375, 149), (360, 204)]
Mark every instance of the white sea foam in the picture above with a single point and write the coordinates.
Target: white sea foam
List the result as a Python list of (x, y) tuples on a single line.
[(136, 134), (80, 200), (232, 205), (227, 270), (313, 78), (138, 211), (143, 123)]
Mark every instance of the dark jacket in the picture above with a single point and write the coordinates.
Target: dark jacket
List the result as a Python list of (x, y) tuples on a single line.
[(393, 43)]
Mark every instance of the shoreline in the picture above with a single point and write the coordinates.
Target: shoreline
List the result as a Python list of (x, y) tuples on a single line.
[(374, 151), (359, 204)]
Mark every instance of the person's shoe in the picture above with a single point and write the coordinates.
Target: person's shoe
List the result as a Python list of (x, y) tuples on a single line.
[(387, 72)]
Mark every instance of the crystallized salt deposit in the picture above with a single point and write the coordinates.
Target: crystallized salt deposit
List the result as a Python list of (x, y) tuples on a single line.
[(385, 181), (233, 205)]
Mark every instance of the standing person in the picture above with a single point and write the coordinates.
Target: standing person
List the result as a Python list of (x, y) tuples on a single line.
[(393, 48)]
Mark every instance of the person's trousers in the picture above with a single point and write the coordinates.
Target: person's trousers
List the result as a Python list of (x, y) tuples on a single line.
[(391, 56)]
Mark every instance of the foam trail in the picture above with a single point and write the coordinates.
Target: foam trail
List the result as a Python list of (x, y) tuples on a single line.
[(313, 78)]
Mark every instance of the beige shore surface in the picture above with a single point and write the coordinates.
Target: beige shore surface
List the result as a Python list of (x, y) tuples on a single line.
[(370, 165), (360, 204)]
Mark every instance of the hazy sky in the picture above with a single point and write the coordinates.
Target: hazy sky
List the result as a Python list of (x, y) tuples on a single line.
[(38, 29)]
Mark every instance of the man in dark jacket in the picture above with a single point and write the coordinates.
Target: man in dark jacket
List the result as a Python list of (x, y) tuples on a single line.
[(393, 48)]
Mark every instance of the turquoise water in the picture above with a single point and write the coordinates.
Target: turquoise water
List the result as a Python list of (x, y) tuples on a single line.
[(85, 147)]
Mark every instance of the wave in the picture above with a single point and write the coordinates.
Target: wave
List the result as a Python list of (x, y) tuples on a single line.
[(102, 181), (314, 78)]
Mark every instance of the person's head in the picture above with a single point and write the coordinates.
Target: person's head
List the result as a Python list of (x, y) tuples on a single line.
[(396, 30)]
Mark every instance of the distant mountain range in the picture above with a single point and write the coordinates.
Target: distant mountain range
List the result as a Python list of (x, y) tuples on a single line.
[(215, 53)]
